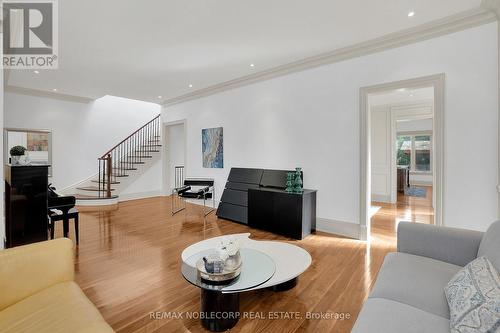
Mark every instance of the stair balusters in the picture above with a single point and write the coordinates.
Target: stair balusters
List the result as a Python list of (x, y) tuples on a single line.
[(126, 155)]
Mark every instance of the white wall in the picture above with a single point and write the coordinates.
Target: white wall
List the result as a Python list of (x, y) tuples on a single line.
[(381, 143), (146, 182), (83, 132), (311, 119)]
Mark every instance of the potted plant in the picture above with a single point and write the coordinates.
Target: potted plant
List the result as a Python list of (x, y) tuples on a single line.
[(16, 152)]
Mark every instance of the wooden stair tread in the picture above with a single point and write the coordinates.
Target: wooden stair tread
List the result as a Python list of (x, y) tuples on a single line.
[(114, 174), (92, 188), (93, 197), (135, 149), (105, 182)]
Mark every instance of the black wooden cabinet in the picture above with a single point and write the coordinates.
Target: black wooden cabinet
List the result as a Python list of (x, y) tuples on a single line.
[(25, 204), (289, 214)]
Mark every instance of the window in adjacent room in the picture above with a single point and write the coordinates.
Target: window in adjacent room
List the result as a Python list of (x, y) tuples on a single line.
[(415, 151)]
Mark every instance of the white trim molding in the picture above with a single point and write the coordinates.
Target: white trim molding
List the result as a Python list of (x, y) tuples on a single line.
[(48, 94), (381, 198), (437, 82), (493, 5), (97, 202), (420, 182), (166, 185), (436, 28), (347, 229)]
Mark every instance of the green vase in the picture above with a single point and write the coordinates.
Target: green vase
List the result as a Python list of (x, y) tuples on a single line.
[(297, 183), (289, 181)]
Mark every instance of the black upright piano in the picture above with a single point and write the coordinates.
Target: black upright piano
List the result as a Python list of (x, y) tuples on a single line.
[(25, 204)]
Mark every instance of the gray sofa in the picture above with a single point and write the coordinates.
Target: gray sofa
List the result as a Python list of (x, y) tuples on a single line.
[(408, 295)]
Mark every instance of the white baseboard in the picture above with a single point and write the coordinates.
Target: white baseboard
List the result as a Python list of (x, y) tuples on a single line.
[(351, 230), (139, 195), (97, 202), (363, 233), (381, 198), (420, 183)]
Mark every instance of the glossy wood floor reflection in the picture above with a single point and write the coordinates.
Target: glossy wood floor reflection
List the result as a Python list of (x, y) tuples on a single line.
[(128, 264), (407, 208)]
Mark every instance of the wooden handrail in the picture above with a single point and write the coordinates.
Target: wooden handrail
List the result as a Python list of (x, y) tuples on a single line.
[(104, 156), (126, 154)]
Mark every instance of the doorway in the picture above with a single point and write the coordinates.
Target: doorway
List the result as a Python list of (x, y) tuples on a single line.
[(174, 149), (401, 151)]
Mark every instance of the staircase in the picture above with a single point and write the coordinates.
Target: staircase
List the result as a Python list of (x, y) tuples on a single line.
[(121, 161)]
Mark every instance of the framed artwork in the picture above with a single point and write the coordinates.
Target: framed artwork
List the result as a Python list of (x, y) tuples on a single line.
[(212, 147), (38, 144), (37, 141)]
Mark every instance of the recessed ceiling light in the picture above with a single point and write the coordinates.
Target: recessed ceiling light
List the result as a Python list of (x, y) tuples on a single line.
[(160, 97), (252, 65), (55, 89), (36, 72), (411, 14), (190, 86), (402, 89)]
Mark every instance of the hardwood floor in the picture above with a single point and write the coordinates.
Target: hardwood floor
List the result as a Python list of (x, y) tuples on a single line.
[(407, 208), (128, 264)]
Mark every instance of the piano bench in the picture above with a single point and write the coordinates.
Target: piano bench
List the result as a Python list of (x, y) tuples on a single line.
[(57, 215)]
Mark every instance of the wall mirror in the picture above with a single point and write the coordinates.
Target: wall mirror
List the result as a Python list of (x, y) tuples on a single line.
[(38, 144)]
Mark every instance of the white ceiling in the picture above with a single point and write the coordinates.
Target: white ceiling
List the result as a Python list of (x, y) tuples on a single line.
[(145, 49)]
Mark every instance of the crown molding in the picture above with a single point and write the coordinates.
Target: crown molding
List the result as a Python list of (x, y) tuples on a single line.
[(451, 24), (48, 94), (493, 5)]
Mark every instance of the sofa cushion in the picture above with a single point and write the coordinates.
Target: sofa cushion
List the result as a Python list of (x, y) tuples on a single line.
[(473, 295), (416, 281), (381, 315), (490, 245), (60, 308)]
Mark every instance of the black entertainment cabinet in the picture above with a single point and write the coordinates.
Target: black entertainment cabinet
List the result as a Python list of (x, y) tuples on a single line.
[(257, 198)]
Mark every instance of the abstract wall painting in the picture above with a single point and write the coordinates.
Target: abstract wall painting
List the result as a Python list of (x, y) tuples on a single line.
[(38, 141), (212, 147)]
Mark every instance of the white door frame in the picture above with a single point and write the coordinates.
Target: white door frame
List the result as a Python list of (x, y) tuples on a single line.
[(165, 146), (438, 83)]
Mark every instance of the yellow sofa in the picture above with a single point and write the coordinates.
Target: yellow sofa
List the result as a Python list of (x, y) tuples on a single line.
[(38, 292)]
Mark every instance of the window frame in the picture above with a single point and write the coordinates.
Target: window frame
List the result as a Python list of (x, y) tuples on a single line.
[(412, 135)]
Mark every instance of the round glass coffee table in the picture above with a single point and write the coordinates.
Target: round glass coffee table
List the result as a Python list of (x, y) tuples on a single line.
[(220, 302)]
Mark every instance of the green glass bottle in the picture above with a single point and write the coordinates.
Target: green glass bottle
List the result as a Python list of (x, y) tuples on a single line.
[(289, 181), (297, 183)]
